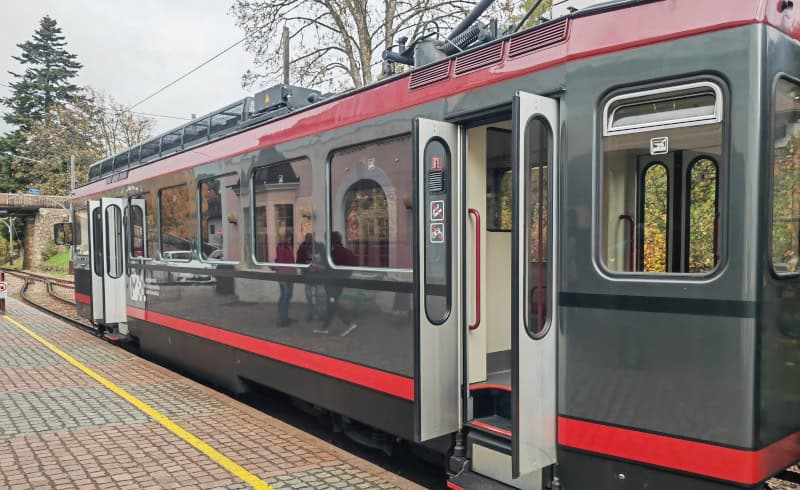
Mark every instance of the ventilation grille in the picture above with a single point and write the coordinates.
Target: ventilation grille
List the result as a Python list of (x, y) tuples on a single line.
[(542, 37), (479, 59), (435, 182), (430, 74)]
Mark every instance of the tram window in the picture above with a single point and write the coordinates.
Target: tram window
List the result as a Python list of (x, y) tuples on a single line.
[(137, 231), (97, 240), (498, 179), (220, 218), (538, 155), (283, 212), (371, 204), (655, 215), (785, 251), (660, 173), (177, 216), (81, 232), (703, 215), (113, 222)]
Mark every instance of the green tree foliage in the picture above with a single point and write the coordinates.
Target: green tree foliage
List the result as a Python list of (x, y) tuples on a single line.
[(656, 215), (702, 215), (47, 80), (786, 204)]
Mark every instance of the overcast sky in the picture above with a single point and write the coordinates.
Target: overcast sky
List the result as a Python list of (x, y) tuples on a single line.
[(129, 49)]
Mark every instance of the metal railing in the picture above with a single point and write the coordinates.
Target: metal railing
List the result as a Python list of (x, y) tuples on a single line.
[(30, 201)]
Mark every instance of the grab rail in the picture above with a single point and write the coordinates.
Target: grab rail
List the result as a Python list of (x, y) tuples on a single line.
[(474, 212)]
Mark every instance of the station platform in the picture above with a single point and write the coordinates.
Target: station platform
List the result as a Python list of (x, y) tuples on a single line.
[(77, 412)]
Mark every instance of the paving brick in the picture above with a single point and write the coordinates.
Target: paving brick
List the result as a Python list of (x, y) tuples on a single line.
[(59, 428)]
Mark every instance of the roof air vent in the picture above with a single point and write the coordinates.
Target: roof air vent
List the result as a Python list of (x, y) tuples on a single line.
[(538, 38), (480, 58), (430, 74)]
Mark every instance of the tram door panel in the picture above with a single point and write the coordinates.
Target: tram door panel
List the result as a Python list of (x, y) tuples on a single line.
[(96, 258), (438, 167), (114, 261), (533, 339)]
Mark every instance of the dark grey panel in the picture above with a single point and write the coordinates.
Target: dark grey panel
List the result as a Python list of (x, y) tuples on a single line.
[(668, 373)]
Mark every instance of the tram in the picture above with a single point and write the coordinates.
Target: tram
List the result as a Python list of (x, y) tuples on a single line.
[(564, 257)]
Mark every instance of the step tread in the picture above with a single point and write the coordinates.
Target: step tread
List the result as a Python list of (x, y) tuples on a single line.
[(494, 424)]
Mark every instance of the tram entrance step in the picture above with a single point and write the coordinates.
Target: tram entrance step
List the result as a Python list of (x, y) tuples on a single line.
[(491, 409), (468, 479)]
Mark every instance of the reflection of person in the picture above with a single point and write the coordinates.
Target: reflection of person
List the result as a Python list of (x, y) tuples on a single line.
[(341, 257), (284, 255), (305, 253)]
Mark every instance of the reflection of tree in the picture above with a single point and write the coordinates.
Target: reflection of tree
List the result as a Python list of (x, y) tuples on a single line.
[(655, 218), (786, 204), (177, 218), (537, 209), (702, 215)]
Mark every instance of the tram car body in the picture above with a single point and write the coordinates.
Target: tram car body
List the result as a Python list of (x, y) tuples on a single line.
[(564, 257)]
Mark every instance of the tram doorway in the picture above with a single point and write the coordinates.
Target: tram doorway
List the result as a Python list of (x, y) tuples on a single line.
[(509, 279)]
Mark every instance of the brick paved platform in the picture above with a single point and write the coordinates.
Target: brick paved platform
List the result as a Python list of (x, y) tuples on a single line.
[(60, 428)]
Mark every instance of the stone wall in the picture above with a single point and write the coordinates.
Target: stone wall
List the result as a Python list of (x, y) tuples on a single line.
[(38, 233)]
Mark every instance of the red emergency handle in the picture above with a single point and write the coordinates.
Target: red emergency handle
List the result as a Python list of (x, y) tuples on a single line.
[(474, 212)]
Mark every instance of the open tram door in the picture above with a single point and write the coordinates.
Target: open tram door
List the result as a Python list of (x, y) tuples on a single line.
[(107, 253), (533, 313), (438, 276)]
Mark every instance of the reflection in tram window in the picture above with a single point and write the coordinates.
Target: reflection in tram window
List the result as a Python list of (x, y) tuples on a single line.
[(660, 180), (538, 154), (372, 202), (282, 207), (113, 234), (137, 231), (703, 215), (220, 217), (97, 240), (498, 179), (655, 219), (786, 178), (81, 232), (178, 232)]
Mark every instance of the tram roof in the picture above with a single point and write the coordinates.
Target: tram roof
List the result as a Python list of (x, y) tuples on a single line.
[(592, 31)]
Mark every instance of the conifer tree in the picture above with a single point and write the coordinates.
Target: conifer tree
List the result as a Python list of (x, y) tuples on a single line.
[(49, 70)]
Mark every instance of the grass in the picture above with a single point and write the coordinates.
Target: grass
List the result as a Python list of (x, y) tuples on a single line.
[(16, 264), (59, 260)]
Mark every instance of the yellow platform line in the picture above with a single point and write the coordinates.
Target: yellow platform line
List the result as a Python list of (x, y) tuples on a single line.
[(176, 429)]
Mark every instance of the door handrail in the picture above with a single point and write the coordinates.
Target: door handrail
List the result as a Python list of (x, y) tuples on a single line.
[(474, 212)]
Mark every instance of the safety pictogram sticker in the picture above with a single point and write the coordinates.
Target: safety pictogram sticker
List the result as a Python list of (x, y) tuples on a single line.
[(437, 232), (437, 210), (3, 289)]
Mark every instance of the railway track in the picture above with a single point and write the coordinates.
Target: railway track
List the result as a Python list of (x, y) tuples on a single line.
[(48, 294)]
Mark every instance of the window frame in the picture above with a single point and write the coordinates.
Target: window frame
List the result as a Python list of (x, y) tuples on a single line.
[(717, 117), (119, 238), (160, 228), (781, 276), (252, 213), (722, 117), (128, 225), (686, 246), (639, 236), (199, 218), (329, 208)]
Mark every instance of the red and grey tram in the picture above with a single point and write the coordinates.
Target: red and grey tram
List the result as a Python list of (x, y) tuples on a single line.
[(565, 257)]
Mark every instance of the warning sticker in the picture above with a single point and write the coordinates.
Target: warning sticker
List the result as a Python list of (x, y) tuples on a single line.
[(437, 210), (436, 164), (437, 232)]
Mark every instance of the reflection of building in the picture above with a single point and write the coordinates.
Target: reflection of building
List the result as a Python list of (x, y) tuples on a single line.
[(283, 206), (221, 211), (371, 193)]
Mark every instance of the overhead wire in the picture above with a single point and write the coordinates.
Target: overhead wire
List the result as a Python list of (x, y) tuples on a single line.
[(240, 41)]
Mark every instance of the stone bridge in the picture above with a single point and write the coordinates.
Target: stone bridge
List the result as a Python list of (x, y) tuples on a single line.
[(40, 213)]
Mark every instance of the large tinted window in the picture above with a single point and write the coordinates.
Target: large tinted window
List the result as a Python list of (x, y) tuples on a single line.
[(786, 178), (371, 192), (220, 218), (177, 215), (282, 210), (661, 167)]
